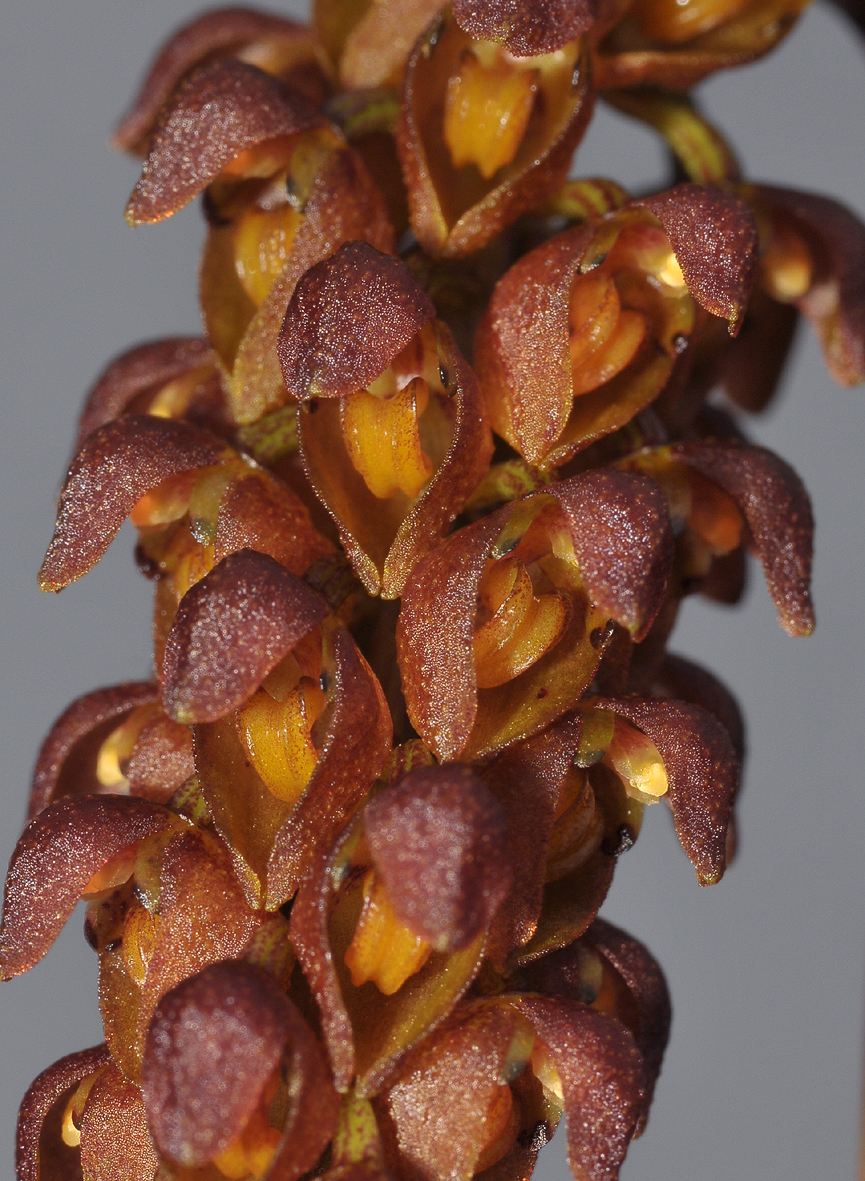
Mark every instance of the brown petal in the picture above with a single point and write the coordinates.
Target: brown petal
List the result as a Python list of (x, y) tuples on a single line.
[(835, 302), (355, 747), (38, 1146), (161, 759), (344, 205), (119, 1000), (376, 49), (647, 985), (115, 1144), (221, 32), (569, 906), (521, 351), (263, 514), (778, 512), (203, 918), (435, 636), (690, 682), (54, 860), (702, 771), (451, 213), (602, 1077), (623, 542), (440, 1102), (384, 539), (220, 111), (212, 1046), (230, 630), (367, 1034), (714, 236), (66, 763), (438, 840), (117, 465), (637, 61), (348, 318), (526, 780), (526, 27), (137, 371)]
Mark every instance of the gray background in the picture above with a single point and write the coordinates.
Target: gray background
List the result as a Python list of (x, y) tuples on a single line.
[(763, 1074)]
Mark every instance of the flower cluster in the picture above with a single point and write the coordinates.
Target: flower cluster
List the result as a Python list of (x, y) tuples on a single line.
[(420, 509)]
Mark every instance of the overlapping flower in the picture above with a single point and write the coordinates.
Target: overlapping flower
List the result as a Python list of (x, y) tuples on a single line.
[(420, 509)]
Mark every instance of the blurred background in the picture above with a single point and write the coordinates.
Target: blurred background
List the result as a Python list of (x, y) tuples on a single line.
[(763, 1074)]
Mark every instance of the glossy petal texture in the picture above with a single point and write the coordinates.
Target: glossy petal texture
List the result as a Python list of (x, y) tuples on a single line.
[(220, 111), (835, 301), (231, 629), (438, 839), (348, 318), (66, 763), (440, 1102), (212, 1046), (38, 1145), (714, 236), (222, 32), (702, 772), (135, 373), (115, 1144), (54, 860), (778, 511), (623, 542), (601, 1071), (117, 465), (526, 27)]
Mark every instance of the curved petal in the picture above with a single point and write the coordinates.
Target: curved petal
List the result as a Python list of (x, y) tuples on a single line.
[(41, 1115), (65, 764), (690, 682), (219, 111), (451, 213), (526, 780), (647, 985), (438, 840), (212, 1046), (203, 918), (115, 1144), (601, 1072), (526, 27), (117, 465), (835, 300), (137, 371), (60, 851), (355, 747), (778, 511), (224, 31), (440, 1102), (623, 542), (230, 630), (348, 318), (702, 771), (714, 235), (344, 205), (261, 513)]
